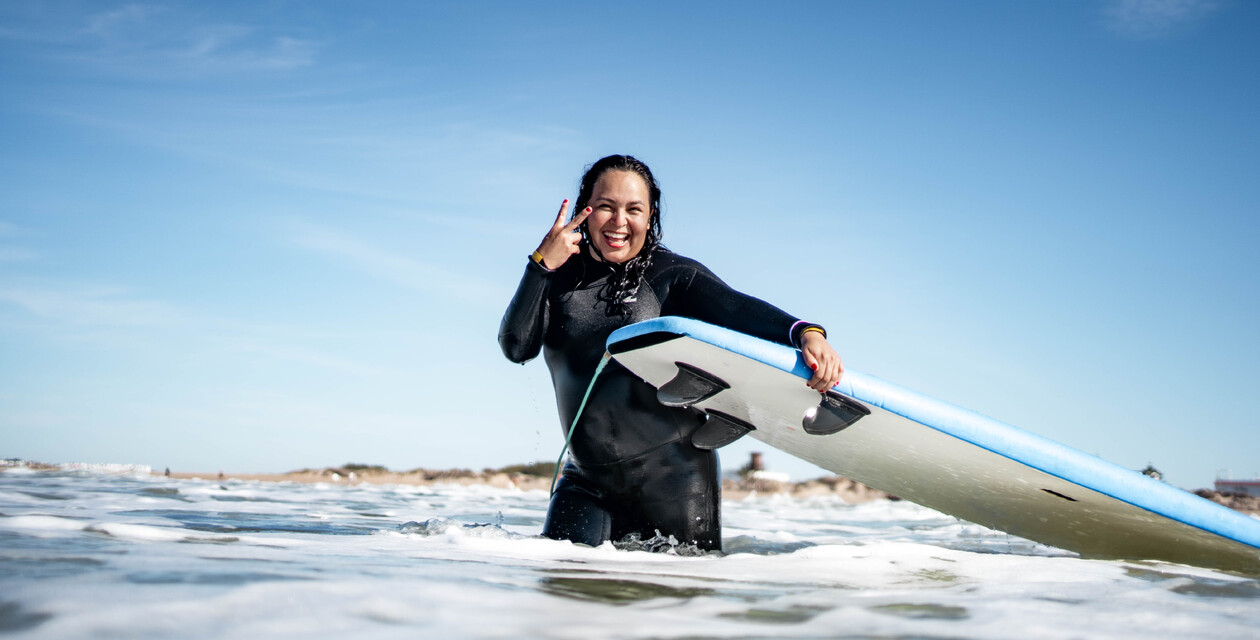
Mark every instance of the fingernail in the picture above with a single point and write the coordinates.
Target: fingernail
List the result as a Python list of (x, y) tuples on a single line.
[(814, 367), (566, 201)]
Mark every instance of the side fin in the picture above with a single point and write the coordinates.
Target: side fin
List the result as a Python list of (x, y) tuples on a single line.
[(834, 413), (689, 386), (719, 430)]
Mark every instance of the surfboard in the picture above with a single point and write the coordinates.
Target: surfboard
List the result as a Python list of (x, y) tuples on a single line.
[(931, 452)]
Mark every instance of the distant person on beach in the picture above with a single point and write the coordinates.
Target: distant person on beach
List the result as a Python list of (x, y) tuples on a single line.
[(632, 469)]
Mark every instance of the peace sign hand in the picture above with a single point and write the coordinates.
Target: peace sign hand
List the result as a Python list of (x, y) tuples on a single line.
[(562, 241)]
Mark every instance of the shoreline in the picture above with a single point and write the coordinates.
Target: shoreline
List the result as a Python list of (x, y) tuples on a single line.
[(850, 491), (532, 478), (847, 490)]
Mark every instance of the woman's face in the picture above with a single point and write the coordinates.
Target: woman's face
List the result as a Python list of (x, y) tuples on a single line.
[(620, 214)]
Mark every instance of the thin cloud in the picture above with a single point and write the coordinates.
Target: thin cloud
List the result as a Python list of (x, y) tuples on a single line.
[(232, 48), (401, 270), (16, 254), (11, 252), (149, 41), (114, 317), (96, 306), (311, 357), (108, 23), (1153, 19), (9, 230)]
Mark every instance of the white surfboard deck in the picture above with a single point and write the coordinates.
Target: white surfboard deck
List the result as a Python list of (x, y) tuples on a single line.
[(948, 458)]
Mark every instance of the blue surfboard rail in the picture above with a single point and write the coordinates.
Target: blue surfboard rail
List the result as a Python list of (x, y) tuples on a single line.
[(1014, 443)]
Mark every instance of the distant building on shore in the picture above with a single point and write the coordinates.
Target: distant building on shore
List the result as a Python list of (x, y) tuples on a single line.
[(756, 470), (1245, 487)]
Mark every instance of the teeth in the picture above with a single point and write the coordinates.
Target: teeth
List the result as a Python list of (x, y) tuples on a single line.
[(617, 236)]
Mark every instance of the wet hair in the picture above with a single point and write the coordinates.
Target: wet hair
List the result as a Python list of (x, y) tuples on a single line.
[(624, 282)]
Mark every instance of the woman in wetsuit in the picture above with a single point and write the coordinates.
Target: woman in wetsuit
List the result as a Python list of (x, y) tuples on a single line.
[(632, 468)]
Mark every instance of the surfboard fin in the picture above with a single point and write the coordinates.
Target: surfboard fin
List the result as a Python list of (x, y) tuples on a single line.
[(689, 386), (834, 413), (719, 430)]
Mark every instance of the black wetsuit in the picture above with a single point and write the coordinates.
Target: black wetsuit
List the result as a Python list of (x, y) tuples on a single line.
[(632, 466)]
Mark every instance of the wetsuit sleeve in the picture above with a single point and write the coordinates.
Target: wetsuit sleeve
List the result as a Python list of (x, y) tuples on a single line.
[(525, 321), (707, 298)]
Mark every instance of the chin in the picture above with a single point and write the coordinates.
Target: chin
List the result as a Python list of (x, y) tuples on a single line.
[(619, 256)]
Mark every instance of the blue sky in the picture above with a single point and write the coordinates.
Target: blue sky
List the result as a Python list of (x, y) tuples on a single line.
[(257, 236)]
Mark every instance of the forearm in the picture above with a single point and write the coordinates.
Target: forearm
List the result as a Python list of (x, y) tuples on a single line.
[(713, 301), (524, 322), (759, 318)]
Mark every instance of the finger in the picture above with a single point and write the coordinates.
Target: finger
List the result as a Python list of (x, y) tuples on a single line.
[(812, 364), (810, 360), (834, 373), (577, 220), (564, 207), (829, 371)]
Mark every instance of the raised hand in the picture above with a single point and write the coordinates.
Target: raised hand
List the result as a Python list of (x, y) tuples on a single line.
[(562, 240)]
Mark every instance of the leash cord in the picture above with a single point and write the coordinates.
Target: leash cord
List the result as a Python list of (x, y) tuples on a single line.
[(602, 361)]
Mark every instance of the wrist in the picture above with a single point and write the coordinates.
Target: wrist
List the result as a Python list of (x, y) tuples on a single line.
[(802, 329), (537, 258)]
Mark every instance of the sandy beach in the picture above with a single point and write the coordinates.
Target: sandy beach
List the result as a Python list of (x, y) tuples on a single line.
[(848, 490)]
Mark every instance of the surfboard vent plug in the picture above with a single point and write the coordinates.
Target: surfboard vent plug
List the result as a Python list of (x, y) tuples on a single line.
[(834, 413), (1056, 493), (689, 386)]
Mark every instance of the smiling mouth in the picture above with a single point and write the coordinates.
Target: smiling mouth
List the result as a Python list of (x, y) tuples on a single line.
[(616, 240)]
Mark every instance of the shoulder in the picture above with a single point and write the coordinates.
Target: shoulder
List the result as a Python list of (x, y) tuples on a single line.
[(671, 273), (665, 261)]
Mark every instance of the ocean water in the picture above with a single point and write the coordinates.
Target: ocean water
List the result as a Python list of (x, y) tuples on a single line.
[(96, 552)]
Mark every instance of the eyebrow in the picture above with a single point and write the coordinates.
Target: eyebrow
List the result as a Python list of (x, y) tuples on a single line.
[(631, 203)]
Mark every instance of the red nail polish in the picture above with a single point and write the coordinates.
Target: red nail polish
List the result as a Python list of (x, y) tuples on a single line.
[(814, 367)]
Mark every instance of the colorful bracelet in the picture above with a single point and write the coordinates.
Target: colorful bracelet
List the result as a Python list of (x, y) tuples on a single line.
[(798, 338)]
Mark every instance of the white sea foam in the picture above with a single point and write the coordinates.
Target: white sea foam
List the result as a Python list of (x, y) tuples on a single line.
[(42, 526), (121, 469), (98, 554)]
